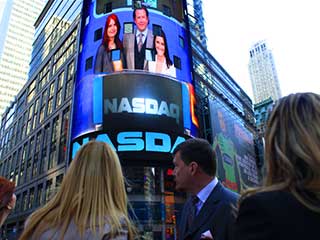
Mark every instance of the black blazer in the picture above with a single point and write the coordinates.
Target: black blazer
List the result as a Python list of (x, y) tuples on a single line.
[(215, 215), (275, 215)]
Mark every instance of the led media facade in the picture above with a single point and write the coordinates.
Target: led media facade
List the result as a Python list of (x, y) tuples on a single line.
[(134, 83), (234, 146), (137, 95)]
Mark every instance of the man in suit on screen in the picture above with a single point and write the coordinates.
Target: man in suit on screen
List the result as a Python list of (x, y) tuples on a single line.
[(135, 44), (208, 212)]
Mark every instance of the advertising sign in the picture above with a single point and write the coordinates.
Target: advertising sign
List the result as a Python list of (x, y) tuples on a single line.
[(234, 147)]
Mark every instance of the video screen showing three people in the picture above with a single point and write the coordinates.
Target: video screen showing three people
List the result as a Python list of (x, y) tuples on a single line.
[(140, 48)]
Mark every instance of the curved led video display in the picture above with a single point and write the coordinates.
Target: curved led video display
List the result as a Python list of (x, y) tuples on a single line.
[(134, 83)]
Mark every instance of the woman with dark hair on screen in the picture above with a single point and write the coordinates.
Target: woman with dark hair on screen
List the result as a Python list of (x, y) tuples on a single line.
[(105, 61), (162, 63), (91, 202), (287, 206)]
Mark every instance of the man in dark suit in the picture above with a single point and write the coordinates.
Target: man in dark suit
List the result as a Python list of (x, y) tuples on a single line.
[(208, 212), (135, 44)]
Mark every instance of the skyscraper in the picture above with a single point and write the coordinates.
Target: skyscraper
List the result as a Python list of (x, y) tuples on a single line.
[(17, 30), (196, 21), (263, 74)]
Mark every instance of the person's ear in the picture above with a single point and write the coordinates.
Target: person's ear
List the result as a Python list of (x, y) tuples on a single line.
[(193, 168)]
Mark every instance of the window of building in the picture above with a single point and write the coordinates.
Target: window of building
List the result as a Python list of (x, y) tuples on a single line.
[(44, 75), (50, 99), (16, 171), (70, 77), (35, 114), (44, 158), (24, 200), (18, 203), (23, 162), (43, 105), (48, 190), (53, 145), (24, 124), (29, 121), (40, 198), (31, 201), (60, 83), (31, 91), (64, 136), (59, 179), (14, 163), (29, 161)]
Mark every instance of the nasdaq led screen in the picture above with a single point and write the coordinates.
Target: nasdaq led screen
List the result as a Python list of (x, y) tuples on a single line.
[(134, 42), (234, 147)]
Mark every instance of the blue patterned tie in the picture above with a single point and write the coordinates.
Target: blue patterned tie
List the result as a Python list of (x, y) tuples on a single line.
[(193, 211)]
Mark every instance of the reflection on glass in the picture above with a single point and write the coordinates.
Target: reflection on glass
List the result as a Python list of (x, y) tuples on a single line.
[(155, 203)]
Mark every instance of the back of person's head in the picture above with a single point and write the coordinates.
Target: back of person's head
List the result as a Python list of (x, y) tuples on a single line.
[(292, 146), (200, 151), (92, 190)]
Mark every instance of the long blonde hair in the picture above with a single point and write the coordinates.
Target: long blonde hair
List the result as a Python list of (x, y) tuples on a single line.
[(292, 149), (92, 189)]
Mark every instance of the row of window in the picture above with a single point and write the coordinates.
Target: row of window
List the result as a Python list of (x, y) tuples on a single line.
[(62, 15), (44, 150), (51, 98), (37, 195)]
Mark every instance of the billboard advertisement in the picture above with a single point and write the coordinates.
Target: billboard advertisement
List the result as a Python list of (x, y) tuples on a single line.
[(234, 147), (134, 83)]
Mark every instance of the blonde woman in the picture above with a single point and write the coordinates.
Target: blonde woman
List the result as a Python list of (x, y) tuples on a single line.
[(287, 206), (91, 203)]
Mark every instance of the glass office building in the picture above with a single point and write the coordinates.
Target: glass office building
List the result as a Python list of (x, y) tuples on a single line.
[(45, 126)]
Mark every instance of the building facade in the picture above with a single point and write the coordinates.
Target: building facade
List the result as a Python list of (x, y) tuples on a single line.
[(36, 142), (261, 112), (35, 128), (263, 74), (17, 30)]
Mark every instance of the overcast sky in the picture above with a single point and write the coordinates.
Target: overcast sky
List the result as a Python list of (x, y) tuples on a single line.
[(290, 27)]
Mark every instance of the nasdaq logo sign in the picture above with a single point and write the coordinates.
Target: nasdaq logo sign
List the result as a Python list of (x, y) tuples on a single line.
[(136, 141), (142, 105)]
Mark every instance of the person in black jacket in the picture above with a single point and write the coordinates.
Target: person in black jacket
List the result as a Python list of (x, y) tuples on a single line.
[(287, 206), (207, 213)]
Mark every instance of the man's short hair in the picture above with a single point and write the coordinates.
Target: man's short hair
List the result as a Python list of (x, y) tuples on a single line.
[(142, 7), (200, 151)]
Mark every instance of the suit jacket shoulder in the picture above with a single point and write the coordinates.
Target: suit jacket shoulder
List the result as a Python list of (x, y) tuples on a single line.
[(215, 215)]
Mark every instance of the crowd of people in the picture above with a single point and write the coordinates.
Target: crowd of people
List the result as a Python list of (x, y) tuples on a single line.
[(92, 201), (114, 55)]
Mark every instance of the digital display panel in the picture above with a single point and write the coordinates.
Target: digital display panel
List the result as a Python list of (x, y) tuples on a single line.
[(134, 112), (134, 74), (137, 29), (234, 147)]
